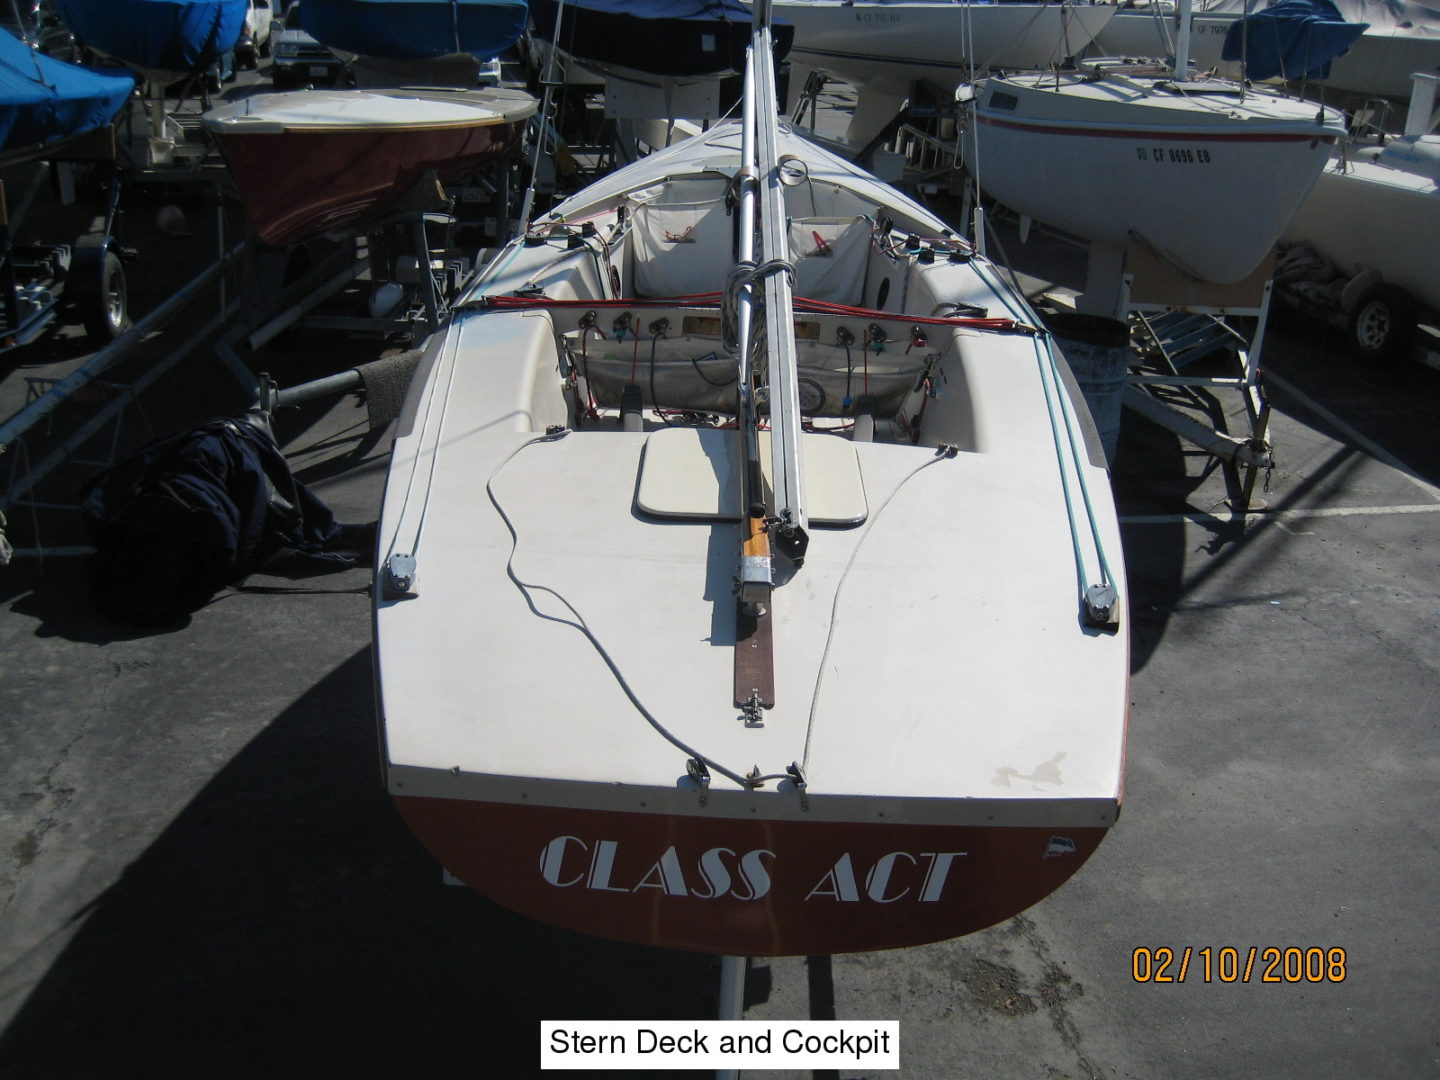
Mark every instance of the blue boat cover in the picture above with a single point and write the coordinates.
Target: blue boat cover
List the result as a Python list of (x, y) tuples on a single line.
[(157, 35), (663, 37), (671, 9), (416, 29), (1292, 39), (43, 100)]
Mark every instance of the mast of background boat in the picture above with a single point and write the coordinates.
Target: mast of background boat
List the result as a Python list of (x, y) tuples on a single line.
[(542, 122), (1182, 42), (1419, 115)]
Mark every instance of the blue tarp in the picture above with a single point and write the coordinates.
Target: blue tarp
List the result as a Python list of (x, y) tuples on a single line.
[(416, 29), (43, 99), (157, 35), (1293, 39), (663, 37), (671, 9)]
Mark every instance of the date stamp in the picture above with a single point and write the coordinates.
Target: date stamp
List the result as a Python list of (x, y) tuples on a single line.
[(1252, 963)]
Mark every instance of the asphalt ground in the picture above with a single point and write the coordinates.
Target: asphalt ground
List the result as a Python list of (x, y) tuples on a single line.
[(201, 873)]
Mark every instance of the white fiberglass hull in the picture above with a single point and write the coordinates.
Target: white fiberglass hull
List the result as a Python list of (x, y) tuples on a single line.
[(941, 42), (1366, 215), (1207, 182)]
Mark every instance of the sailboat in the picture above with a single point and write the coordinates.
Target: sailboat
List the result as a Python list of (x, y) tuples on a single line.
[(1375, 215), (1401, 36), (640, 41), (749, 580), (942, 41), (417, 30), (332, 161), (884, 47), (1202, 173), (659, 60)]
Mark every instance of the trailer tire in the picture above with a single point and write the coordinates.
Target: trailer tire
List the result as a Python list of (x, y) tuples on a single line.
[(106, 313), (1382, 324)]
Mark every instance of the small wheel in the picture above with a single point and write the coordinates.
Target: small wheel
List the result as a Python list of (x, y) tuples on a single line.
[(106, 314), (1382, 326)]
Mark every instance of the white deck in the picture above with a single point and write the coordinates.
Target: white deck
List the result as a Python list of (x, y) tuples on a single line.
[(328, 110), (1125, 100), (960, 685), (958, 667)]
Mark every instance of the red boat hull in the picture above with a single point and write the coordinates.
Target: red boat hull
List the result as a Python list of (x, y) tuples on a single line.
[(746, 887), (298, 184)]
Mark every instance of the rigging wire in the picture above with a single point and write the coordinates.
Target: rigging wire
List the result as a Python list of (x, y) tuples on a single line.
[(944, 452), (803, 305), (1049, 380), (1015, 38), (451, 349)]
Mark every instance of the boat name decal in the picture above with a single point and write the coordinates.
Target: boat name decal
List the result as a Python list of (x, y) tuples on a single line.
[(570, 862)]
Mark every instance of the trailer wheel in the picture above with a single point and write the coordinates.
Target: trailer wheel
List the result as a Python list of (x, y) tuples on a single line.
[(106, 314), (1382, 325)]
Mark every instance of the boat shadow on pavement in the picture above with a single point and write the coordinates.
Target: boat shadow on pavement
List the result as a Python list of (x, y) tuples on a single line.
[(286, 923)]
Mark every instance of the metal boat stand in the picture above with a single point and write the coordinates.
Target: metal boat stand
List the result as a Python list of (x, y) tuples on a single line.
[(423, 280), (1175, 322), (160, 138)]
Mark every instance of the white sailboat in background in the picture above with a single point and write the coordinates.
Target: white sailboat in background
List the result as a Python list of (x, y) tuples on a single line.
[(727, 525), (1401, 36), (1202, 174), (883, 47), (1374, 214)]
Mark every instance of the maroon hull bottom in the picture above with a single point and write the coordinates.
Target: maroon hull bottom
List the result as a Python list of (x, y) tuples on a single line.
[(298, 184), (746, 888)]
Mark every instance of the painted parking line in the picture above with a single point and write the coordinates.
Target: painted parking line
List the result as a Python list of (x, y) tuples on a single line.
[(1199, 517), (1374, 449)]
